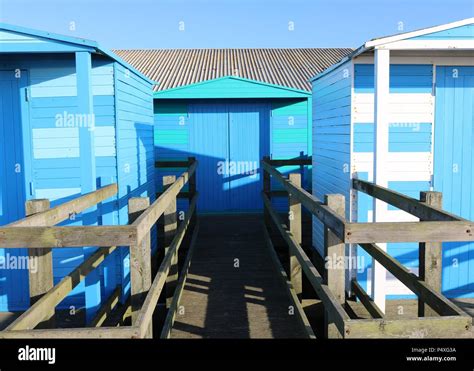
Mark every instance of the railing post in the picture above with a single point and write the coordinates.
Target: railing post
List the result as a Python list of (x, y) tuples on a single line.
[(170, 226), (41, 274), (192, 190), (267, 191), (294, 221), (334, 253), (430, 257), (140, 261)]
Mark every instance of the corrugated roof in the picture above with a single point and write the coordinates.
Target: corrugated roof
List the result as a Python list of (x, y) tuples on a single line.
[(285, 67)]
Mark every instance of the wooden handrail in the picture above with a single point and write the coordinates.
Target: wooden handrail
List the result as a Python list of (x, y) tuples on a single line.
[(38, 231), (38, 311), (148, 218), (145, 315), (435, 300), (64, 211), (66, 237), (403, 202), (334, 308), (328, 217)]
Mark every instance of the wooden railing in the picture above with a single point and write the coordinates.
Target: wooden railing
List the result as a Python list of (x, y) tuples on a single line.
[(38, 233), (436, 226)]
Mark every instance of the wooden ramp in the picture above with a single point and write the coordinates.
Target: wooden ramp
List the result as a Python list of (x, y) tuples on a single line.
[(233, 289)]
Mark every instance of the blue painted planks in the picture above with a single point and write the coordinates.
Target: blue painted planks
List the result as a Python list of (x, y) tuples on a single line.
[(414, 137), (454, 169), (13, 280), (404, 78)]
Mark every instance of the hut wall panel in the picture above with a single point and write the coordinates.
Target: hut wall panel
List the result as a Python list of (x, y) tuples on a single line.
[(331, 140)]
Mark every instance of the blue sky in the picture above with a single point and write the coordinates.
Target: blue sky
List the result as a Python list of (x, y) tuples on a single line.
[(120, 24)]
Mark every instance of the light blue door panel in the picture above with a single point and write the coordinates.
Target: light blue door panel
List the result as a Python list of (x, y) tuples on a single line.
[(454, 169), (249, 142), (208, 133), (13, 278)]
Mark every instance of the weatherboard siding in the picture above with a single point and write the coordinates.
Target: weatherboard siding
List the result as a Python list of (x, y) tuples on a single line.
[(331, 140)]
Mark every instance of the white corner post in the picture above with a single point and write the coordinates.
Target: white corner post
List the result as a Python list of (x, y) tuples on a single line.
[(85, 128), (381, 125)]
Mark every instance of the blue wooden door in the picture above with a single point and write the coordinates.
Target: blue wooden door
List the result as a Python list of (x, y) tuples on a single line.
[(248, 142), (209, 143), (229, 139), (13, 278), (454, 169)]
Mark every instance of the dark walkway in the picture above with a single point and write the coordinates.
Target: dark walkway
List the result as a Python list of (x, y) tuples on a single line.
[(232, 290)]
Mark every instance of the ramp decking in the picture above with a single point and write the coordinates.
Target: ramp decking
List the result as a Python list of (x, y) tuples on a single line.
[(232, 289)]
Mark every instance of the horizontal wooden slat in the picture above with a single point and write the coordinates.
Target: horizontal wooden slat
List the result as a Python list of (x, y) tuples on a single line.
[(37, 312), (410, 205), (171, 164), (311, 203), (366, 301), (434, 299), (409, 232), (126, 332), (425, 327), (145, 315), (331, 304), (290, 162), (64, 237), (64, 211), (148, 218)]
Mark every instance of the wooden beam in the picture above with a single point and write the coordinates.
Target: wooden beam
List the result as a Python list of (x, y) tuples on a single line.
[(366, 300), (147, 220), (174, 306), (146, 313), (295, 301), (40, 278), (66, 210), (106, 308), (412, 206), (409, 232), (125, 332), (427, 327), (267, 187), (171, 164), (170, 225), (435, 300), (38, 311), (310, 202), (140, 260), (290, 162), (334, 255), (66, 237), (192, 189), (294, 224), (331, 304), (430, 256)]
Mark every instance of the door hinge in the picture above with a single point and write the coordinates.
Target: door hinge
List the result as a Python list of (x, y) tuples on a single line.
[(433, 89), (32, 189), (27, 95)]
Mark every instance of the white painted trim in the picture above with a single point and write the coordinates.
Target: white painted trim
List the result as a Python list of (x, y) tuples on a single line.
[(424, 31), (381, 140), (438, 60), (433, 126), (429, 45)]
